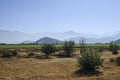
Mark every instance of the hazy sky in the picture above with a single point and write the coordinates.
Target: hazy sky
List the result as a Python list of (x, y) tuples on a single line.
[(96, 16)]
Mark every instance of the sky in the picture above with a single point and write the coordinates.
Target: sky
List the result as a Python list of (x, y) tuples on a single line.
[(96, 16)]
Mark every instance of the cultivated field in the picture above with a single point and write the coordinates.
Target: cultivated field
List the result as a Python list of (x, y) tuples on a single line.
[(21, 68), (29, 46)]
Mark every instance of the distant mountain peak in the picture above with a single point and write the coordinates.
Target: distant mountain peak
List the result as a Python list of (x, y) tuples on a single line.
[(48, 40)]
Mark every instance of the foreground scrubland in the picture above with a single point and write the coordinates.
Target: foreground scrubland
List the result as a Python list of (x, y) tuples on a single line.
[(55, 68)]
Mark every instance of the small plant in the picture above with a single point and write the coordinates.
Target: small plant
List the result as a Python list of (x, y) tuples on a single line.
[(68, 48), (90, 60), (48, 49), (101, 49), (114, 48), (112, 60), (14, 53), (118, 61)]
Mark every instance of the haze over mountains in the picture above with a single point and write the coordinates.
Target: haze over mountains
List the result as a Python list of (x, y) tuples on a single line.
[(19, 37)]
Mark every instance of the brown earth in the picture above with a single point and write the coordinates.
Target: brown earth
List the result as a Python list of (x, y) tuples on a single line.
[(54, 69)]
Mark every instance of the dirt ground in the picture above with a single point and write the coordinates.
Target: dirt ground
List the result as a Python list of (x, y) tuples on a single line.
[(54, 69)]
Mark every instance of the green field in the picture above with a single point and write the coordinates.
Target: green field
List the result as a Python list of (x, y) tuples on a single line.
[(18, 46)]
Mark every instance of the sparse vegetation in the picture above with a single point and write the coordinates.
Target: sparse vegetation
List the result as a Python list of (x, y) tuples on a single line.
[(57, 66), (112, 60), (68, 48), (14, 52), (48, 49), (118, 61), (8, 53), (113, 48), (90, 60), (30, 54), (101, 49)]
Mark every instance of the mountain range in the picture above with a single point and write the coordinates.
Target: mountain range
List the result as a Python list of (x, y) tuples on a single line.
[(19, 37)]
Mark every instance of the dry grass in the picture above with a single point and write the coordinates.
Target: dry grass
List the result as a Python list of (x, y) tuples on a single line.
[(53, 69)]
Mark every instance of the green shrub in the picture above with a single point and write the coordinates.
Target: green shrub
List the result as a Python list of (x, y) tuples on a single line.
[(47, 49), (114, 48), (68, 48), (118, 61), (90, 60)]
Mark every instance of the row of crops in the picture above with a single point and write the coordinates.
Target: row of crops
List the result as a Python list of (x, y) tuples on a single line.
[(18, 46)]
